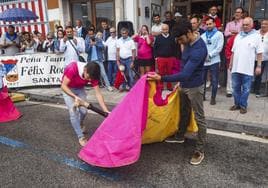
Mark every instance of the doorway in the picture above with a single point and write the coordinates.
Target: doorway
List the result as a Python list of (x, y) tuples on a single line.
[(80, 12), (203, 7), (103, 10), (93, 12)]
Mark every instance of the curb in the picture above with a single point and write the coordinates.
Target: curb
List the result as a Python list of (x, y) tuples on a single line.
[(260, 130)]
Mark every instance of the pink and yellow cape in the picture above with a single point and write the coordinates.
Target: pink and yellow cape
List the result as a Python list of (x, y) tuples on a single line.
[(141, 117), (8, 112)]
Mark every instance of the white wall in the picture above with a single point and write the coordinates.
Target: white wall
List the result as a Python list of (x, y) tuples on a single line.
[(130, 12), (65, 11)]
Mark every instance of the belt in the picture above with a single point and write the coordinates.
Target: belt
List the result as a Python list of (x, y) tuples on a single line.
[(125, 58)]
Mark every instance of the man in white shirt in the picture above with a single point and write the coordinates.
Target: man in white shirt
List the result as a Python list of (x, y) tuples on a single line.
[(81, 31), (110, 43), (71, 46), (125, 55), (264, 38), (156, 28), (10, 42), (247, 46)]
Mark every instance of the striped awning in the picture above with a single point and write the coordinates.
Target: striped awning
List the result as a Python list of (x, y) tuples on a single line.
[(36, 6)]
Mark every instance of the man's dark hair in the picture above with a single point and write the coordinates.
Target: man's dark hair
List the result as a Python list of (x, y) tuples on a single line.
[(156, 15), (197, 16), (92, 27), (168, 12), (104, 21), (36, 32), (210, 18), (91, 30), (59, 27), (11, 26), (68, 27), (182, 28), (124, 30), (93, 69)]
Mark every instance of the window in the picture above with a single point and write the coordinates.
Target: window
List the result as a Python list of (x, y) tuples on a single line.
[(8, 1), (103, 10), (80, 11), (261, 9)]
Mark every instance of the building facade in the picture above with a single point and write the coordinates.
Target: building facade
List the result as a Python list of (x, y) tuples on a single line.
[(140, 11), (38, 7), (92, 11), (58, 12)]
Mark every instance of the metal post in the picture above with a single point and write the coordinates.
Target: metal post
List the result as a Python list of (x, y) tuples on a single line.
[(224, 12)]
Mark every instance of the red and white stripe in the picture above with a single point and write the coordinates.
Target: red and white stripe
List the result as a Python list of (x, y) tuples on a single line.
[(36, 6)]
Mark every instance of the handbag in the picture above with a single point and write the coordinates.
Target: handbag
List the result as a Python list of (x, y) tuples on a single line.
[(80, 58)]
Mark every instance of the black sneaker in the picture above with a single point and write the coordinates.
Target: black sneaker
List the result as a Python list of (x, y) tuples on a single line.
[(257, 94), (212, 101), (234, 107), (174, 139), (197, 158), (229, 95), (243, 110)]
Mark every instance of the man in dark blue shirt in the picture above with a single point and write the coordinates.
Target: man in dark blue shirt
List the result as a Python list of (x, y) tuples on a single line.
[(192, 86)]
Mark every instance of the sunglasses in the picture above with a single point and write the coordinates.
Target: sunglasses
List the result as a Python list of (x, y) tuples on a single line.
[(112, 32)]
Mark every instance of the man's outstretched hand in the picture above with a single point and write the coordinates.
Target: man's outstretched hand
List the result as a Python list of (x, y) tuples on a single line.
[(153, 76)]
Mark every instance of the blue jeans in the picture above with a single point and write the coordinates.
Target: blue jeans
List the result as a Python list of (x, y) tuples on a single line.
[(1, 83), (214, 72), (241, 84), (128, 72), (78, 116), (112, 70), (103, 73)]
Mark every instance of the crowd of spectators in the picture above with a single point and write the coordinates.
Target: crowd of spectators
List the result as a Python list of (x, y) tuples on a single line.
[(155, 49)]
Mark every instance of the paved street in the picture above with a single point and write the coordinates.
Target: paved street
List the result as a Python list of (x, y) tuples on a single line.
[(219, 116), (40, 150)]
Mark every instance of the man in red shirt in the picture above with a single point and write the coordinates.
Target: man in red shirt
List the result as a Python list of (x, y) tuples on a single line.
[(213, 13), (228, 54)]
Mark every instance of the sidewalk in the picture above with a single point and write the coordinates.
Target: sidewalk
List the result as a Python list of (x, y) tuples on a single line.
[(254, 122)]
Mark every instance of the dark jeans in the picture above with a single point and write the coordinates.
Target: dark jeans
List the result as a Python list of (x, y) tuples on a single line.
[(112, 70), (214, 72), (257, 81), (241, 84), (192, 98)]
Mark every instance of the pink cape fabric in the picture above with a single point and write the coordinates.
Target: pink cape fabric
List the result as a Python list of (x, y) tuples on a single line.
[(8, 111), (117, 142)]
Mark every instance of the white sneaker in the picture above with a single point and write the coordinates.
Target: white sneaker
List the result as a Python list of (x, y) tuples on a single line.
[(127, 88), (208, 84), (109, 88), (82, 141)]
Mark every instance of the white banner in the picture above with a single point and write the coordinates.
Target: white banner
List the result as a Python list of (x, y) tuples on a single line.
[(37, 69)]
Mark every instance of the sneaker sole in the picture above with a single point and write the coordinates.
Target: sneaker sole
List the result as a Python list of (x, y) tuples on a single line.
[(174, 141), (197, 163)]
